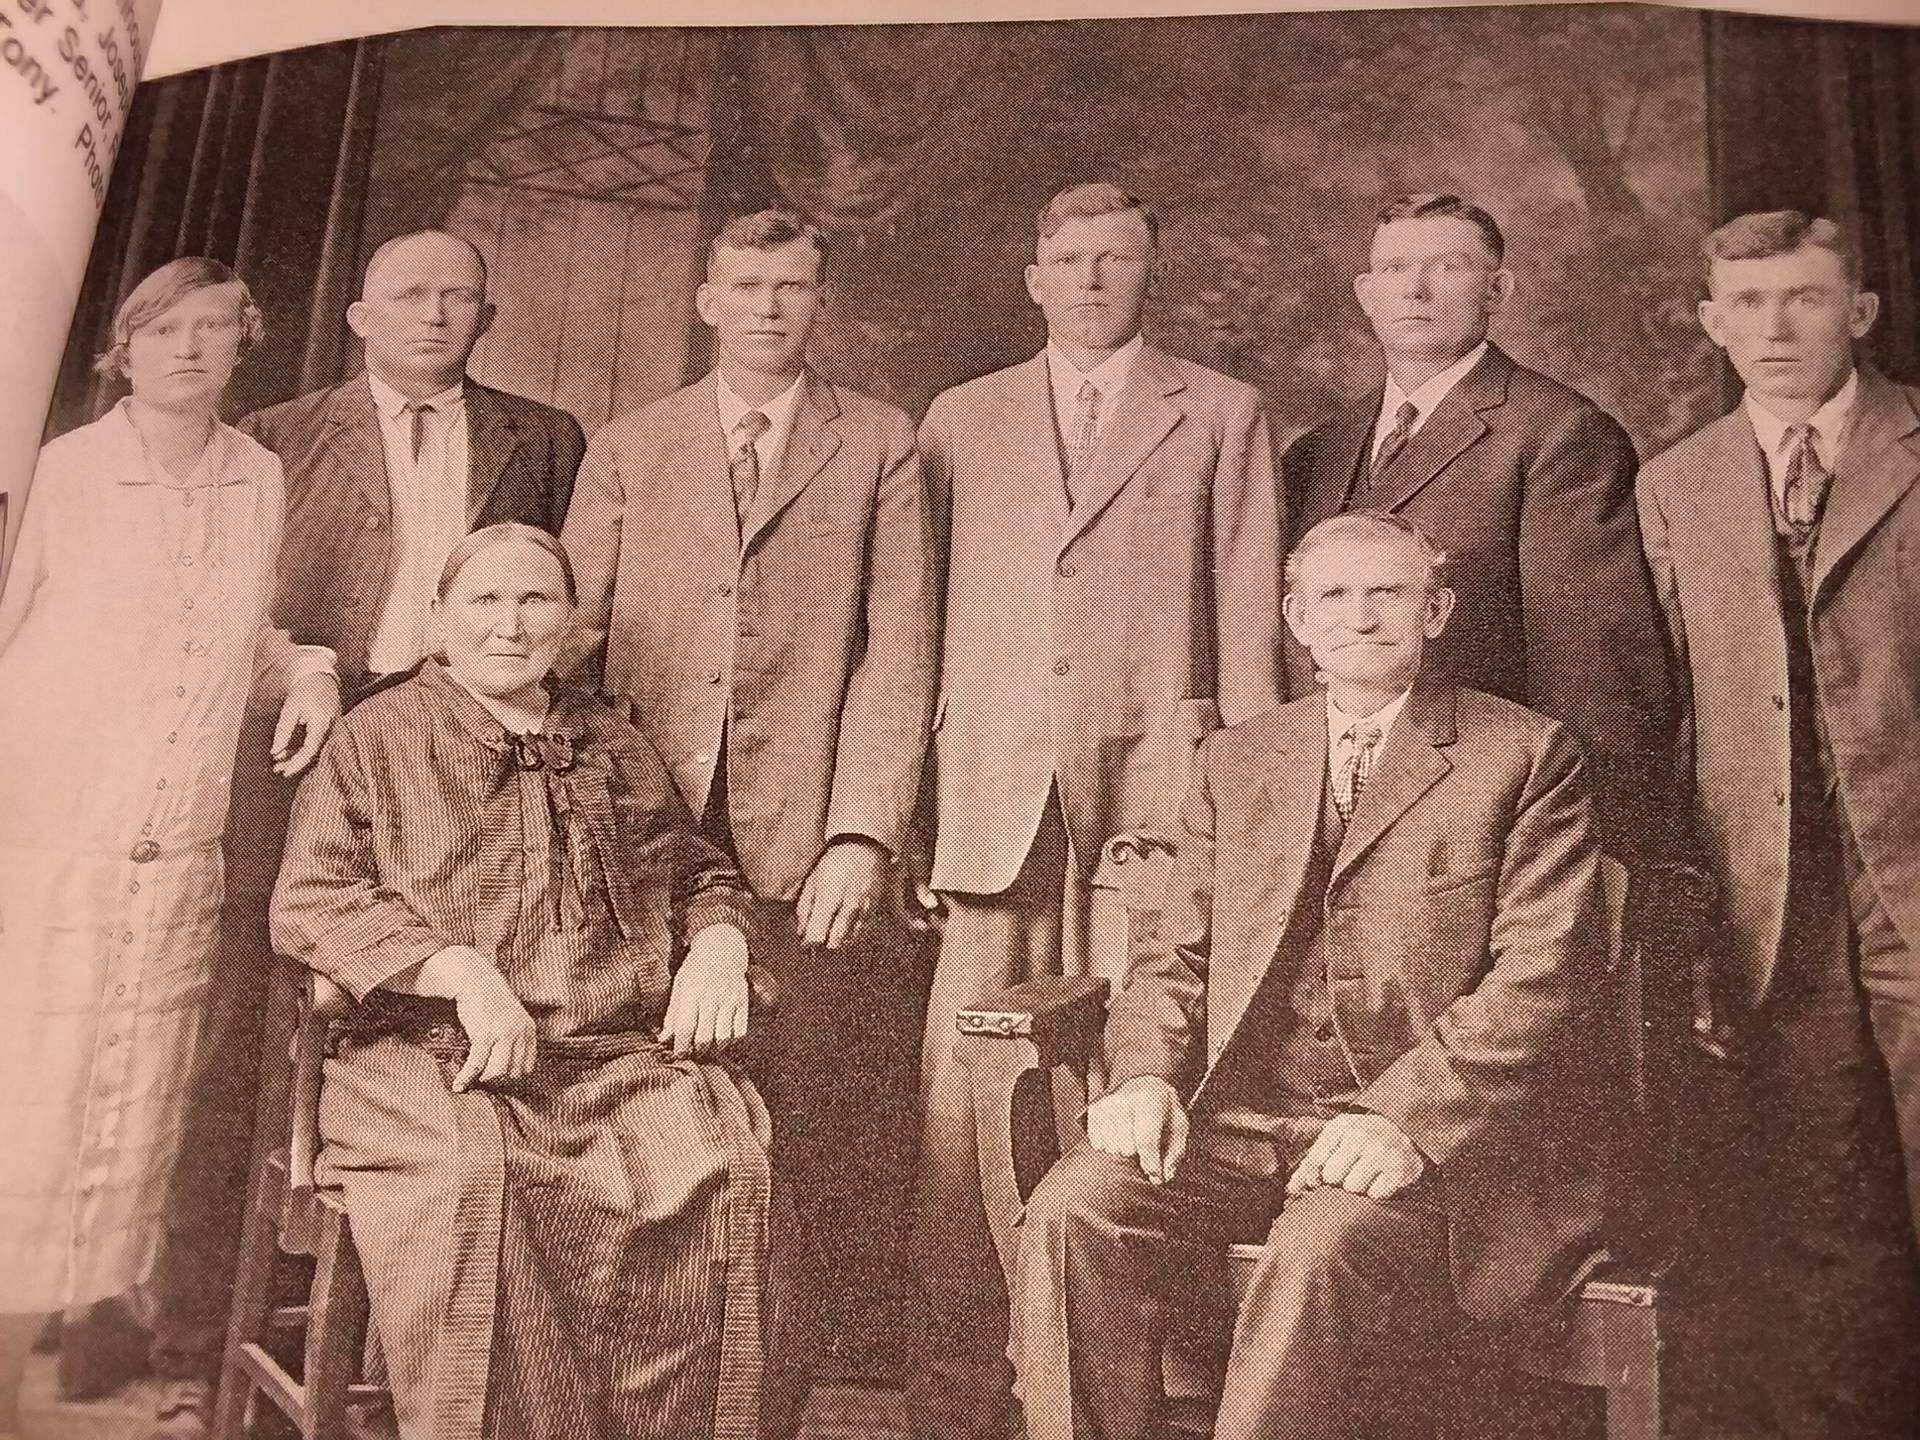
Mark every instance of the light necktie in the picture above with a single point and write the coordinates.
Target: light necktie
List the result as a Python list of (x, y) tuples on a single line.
[(1391, 444), (417, 412), (743, 463), (1086, 433), (1363, 737), (1803, 489)]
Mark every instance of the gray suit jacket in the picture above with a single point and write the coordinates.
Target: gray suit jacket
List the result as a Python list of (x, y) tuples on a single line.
[(1705, 516)]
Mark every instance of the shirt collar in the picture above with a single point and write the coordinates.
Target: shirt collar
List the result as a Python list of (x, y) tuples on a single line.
[(1829, 422), (390, 402), (213, 467), (1107, 377), (1426, 399), (732, 407), (1339, 722)]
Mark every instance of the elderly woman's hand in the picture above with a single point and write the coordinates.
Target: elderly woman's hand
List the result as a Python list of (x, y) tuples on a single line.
[(708, 1008), (311, 707), (502, 1042)]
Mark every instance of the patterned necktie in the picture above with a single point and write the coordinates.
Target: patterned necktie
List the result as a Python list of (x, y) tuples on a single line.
[(417, 413), (1803, 490), (1362, 736), (743, 464), (1086, 433), (1391, 444)]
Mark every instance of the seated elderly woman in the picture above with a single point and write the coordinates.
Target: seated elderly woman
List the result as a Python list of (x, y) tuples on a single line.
[(560, 1198)]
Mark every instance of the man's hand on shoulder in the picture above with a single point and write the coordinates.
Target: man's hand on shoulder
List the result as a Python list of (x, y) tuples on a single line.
[(1143, 1120), (842, 887), (1364, 1154)]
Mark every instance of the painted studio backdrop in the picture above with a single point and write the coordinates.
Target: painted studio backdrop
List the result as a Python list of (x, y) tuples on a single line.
[(591, 166)]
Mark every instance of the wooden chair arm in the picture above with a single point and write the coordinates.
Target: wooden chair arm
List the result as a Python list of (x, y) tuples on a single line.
[(321, 1003), (1027, 1051)]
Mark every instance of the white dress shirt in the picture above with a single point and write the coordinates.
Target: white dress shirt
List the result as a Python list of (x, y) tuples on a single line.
[(429, 500), (1425, 400), (1829, 425), (772, 444), (1107, 377)]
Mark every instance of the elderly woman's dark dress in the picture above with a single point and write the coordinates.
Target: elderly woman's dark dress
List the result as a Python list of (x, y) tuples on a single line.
[(582, 1252)]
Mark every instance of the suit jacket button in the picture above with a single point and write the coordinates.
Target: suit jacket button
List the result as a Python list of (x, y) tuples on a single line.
[(1068, 570), (1060, 667), (1323, 1032), (373, 522), (1779, 796), (1779, 702)]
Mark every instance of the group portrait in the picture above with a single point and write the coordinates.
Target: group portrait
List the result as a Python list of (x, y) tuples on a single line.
[(1102, 729)]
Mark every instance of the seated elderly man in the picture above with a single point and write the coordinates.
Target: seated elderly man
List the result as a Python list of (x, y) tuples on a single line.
[(1364, 1031), (561, 1202)]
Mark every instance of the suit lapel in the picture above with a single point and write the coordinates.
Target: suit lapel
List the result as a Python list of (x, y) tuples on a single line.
[(1336, 465), (1730, 502), (697, 457), (1143, 417), (811, 444), (1033, 441), (1878, 464), (353, 439), (1286, 817), (490, 442), (1456, 423), (1411, 763)]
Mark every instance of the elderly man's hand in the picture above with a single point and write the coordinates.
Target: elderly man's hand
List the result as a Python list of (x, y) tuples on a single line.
[(1365, 1154), (707, 1011), (1143, 1120), (311, 707), (502, 1042), (842, 886)]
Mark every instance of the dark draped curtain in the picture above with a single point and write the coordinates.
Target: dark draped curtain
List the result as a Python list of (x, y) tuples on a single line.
[(1826, 118), (272, 166)]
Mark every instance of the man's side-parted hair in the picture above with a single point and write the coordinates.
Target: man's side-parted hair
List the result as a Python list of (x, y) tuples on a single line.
[(768, 230), (1427, 206), (1763, 233), (167, 287), (1085, 201), (1369, 522)]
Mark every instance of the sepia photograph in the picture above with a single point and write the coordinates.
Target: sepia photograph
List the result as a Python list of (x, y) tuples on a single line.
[(1076, 729)]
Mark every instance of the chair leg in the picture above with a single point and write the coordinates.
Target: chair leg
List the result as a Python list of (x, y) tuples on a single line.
[(1633, 1374), (336, 1330), (252, 1297)]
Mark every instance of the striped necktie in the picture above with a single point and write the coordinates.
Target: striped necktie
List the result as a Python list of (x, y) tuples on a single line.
[(1391, 444), (1086, 433), (1362, 736), (743, 463), (1803, 489)]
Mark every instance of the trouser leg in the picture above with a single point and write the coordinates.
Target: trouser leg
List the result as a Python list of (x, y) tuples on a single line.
[(1890, 977), (960, 1383), (1341, 1331), (1825, 1256), (1105, 1259)]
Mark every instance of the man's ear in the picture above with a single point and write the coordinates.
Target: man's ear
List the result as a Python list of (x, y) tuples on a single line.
[(483, 322), (1439, 608), (1499, 289), (357, 318), (1290, 610), (1866, 308), (1714, 321), (1032, 274), (704, 302)]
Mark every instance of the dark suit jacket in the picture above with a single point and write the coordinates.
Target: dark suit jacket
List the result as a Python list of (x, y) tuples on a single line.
[(1704, 510), (336, 561), (810, 645), (1528, 487), (1466, 954)]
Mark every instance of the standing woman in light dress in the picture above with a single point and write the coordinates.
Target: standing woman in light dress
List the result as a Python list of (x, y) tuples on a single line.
[(133, 630)]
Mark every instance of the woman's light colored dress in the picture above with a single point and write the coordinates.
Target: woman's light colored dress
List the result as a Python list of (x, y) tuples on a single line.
[(132, 630)]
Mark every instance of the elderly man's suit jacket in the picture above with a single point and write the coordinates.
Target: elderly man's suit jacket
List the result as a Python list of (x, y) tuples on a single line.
[(1094, 647), (336, 563), (1528, 487), (1705, 512), (1466, 954), (808, 643)]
